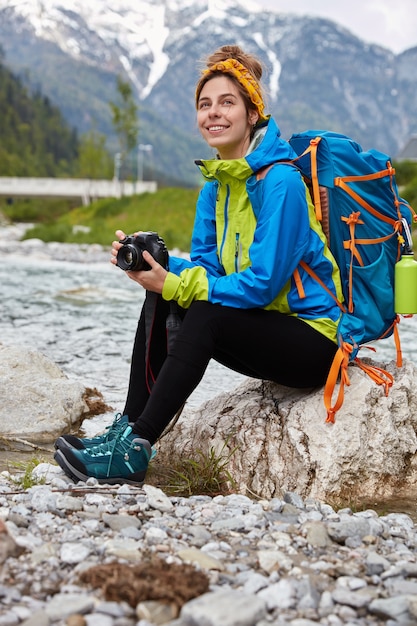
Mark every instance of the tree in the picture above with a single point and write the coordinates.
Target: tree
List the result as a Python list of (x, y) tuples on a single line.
[(94, 161), (35, 140), (125, 118)]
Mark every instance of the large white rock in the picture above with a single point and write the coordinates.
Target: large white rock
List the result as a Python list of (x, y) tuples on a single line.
[(283, 443), (37, 400)]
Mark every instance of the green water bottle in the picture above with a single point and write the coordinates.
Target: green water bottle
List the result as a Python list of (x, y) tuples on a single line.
[(405, 277)]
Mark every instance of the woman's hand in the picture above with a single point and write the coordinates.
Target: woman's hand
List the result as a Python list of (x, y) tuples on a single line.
[(151, 280), (116, 245)]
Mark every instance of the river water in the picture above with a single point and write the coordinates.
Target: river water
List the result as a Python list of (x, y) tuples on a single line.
[(81, 315), (74, 306)]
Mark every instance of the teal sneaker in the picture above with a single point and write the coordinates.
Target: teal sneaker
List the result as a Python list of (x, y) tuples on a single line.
[(124, 459), (70, 441)]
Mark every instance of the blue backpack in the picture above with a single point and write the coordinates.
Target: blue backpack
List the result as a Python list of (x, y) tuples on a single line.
[(365, 221)]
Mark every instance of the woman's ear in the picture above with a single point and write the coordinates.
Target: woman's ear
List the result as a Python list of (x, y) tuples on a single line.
[(253, 117)]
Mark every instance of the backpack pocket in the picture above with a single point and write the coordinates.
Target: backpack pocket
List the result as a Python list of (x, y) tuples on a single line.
[(372, 294)]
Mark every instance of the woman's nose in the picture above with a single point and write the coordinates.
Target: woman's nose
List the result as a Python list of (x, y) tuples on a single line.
[(214, 110)]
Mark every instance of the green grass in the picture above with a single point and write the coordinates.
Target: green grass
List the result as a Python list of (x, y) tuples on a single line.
[(204, 473), (25, 479), (169, 211), (35, 210)]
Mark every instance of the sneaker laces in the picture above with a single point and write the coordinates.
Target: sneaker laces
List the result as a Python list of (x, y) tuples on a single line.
[(115, 426), (108, 448)]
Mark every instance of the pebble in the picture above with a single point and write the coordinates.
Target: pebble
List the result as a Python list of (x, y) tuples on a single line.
[(277, 562)]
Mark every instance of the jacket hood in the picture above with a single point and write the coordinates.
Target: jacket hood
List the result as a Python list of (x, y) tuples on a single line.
[(271, 149), (267, 147)]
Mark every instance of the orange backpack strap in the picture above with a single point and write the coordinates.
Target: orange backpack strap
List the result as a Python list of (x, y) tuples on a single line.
[(339, 367), (313, 274), (343, 183), (314, 178), (315, 187), (298, 283), (377, 374), (260, 174), (397, 341)]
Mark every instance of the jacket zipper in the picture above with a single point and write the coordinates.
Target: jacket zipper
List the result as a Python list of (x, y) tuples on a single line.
[(237, 252), (226, 221)]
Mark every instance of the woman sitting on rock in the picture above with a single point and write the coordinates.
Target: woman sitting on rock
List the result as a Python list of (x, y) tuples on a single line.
[(243, 298)]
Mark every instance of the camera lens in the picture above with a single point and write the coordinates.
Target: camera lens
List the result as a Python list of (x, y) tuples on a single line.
[(127, 258), (130, 255)]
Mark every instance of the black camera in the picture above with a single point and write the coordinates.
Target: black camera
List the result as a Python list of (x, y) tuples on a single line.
[(130, 257)]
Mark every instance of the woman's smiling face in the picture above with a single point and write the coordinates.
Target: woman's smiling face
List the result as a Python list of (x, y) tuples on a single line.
[(222, 118)]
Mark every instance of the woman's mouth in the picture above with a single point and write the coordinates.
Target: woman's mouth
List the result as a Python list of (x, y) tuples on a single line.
[(215, 129)]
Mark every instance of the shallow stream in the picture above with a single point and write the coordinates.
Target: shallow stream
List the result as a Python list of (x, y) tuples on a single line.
[(83, 317)]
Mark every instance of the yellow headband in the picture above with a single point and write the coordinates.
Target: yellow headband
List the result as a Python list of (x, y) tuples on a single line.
[(245, 78)]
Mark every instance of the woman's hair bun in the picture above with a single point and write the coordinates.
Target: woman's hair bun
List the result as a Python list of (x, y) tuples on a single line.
[(235, 52)]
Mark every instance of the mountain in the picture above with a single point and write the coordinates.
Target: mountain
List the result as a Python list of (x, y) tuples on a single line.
[(318, 74)]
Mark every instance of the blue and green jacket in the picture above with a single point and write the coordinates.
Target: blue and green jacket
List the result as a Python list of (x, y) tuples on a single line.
[(250, 235)]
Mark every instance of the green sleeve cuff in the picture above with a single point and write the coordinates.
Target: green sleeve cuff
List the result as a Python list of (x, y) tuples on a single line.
[(171, 284), (191, 284)]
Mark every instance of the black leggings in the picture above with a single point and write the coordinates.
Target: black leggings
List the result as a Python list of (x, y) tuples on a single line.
[(260, 344)]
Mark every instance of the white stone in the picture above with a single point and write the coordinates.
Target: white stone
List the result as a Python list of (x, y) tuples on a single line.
[(157, 499), (225, 608), (281, 442), (38, 401), (72, 552)]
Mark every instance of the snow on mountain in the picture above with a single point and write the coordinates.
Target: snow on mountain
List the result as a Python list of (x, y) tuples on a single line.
[(318, 74), (128, 29), (134, 33), (132, 30)]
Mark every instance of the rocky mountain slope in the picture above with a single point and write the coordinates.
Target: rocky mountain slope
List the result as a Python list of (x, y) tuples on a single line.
[(318, 74)]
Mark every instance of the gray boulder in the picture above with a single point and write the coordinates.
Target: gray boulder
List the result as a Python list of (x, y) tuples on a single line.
[(283, 443), (37, 400)]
